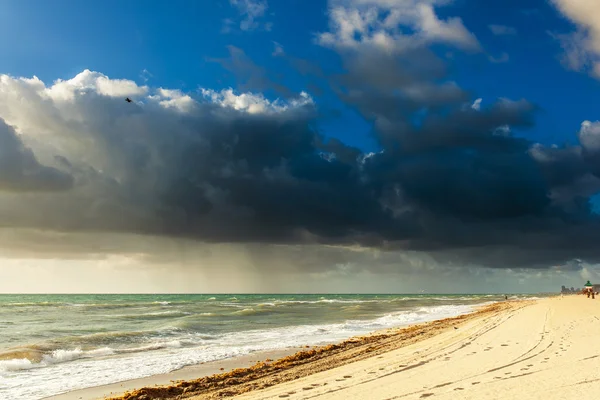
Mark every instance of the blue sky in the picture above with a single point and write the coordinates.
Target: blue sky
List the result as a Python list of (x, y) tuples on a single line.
[(175, 41)]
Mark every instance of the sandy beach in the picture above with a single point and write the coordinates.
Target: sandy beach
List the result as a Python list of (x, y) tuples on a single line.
[(524, 349)]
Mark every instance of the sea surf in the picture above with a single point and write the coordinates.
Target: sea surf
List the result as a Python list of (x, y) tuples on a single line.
[(51, 344)]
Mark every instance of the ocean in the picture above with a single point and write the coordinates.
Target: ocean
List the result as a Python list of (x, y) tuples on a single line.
[(51, 344)]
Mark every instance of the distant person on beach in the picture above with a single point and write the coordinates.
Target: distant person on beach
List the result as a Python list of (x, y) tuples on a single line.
[(505, 297)]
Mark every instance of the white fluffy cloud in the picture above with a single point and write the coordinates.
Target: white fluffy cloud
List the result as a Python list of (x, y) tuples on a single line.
[(95, 81), (174, 99), (582, 47), (254, 103), (383, 24)]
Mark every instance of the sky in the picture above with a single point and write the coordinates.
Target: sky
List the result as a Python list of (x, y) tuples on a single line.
[(332, 146)]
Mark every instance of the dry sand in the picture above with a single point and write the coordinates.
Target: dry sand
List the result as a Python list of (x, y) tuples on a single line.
[(547, 349)]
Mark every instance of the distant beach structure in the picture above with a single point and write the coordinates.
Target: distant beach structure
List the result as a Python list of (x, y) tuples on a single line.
[(571, 290), (589, 289)]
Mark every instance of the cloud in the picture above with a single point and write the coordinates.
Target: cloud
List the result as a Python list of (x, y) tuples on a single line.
[(589, 135), (255, 103), (502, 30), (184, 266), (236, 167), (581, 47), (477, 104), (383, 24), (251, 77), (20, 171), (251, 11), (449, 185), (504, 58), (88, 80), (277, 49), (145, 75)]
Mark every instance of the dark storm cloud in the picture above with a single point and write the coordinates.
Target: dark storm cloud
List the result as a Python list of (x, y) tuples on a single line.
[(20, 171), (277, 185), (449, 180), (251, 77)]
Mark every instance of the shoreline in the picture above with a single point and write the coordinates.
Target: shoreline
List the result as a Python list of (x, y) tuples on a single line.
[(189, 372), (215, 367), (248, 373)]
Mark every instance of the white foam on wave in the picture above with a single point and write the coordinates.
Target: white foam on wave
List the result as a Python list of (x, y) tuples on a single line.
[(330, 301), (16, 364), (67, 370), (60, 355), (171, 313)]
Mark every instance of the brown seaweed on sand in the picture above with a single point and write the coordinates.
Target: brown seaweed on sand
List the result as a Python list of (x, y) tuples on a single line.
[(303, 363)]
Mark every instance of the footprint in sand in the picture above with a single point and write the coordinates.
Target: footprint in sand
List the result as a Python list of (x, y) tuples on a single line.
[(530, 365), (284, 395), (340, 380), (524, 369), (459, 389), (503, 345), (426, 394), (475, 383), (308, 388), (372, 372), (315, 384), (347, 376), (402, 365)]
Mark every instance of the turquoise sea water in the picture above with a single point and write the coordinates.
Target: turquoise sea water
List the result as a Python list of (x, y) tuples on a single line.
[(51, 344)]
